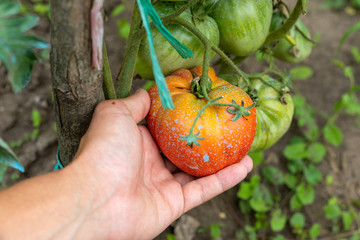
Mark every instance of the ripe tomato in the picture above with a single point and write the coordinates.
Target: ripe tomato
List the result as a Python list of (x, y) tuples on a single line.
[(274, 115), (286, 52), (169, 58), (243, 24), (224, 141)]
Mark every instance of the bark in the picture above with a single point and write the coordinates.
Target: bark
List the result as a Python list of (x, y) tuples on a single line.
[(77, 87)]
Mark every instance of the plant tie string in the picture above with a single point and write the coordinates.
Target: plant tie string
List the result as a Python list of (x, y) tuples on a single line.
[(146, 8), (58, 164)]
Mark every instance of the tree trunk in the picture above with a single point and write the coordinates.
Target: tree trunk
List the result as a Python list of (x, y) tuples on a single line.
[(77, 87)]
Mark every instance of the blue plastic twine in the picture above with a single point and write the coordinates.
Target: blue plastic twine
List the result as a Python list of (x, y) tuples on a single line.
[(146, 8), (58, 163)]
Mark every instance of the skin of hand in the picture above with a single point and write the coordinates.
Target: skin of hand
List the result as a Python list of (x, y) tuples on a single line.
[(118, 185)]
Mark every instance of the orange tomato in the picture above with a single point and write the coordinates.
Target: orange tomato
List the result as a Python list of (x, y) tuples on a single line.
[(224, 141)]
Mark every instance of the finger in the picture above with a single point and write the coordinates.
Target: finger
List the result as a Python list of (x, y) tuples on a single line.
[(137, 106), (183, 178), (169, 165), (203, 189)]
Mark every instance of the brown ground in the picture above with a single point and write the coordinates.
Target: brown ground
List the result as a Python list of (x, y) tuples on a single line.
[(322, 91)]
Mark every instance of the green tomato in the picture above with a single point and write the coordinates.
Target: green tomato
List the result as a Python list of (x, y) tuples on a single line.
[(284, 50), (169, 59), (243, 24), (274, 114)]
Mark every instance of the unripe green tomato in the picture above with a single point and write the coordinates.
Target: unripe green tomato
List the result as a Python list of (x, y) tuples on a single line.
[(274, 115), (284, 50), (169, 59), (243, 24)]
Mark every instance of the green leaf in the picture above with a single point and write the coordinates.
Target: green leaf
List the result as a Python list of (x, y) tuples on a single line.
[(305, 193), (123, 28), (295, 203), (297, 221), (312, 175), (314, 231), (3, 170), (117, 10), (8, 8), (346, 35), (329, 179), (301, 72), (261, 200), (333, 134), (278, 237), (316, 152), (296, 151), (215, 231), (356, 54), (36, 118), (42, 9), (332, 209), (16, 47), (257, 157), (170, 236), (278, 220), (246, 189), (8, 157), (273, 175), (296, 166), (347, 220), (290, 181)]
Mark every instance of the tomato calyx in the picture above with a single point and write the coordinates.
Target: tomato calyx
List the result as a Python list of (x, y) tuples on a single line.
[(239, 110)]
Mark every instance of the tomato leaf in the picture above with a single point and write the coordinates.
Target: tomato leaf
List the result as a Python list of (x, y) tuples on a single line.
[(273, 175), (301, 72), (8, 157), (261, 201), (346, 35), (297, 220), (305, 193), (314, 231), (333, 134), (316, 152), (312, 174), (278, 220), (296, 151)]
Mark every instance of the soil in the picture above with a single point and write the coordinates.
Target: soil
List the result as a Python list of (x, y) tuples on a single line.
[(322, 91)]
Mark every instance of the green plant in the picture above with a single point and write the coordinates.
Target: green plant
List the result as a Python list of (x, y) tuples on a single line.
[(17, 47), (215, 230)]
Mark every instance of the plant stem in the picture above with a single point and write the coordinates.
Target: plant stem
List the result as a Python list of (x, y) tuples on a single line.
[(126, 73), (205, 41), (285, 28), (228, 61), (108, 84)]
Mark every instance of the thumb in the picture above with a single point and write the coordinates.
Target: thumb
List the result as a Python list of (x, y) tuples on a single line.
[(137, 106)]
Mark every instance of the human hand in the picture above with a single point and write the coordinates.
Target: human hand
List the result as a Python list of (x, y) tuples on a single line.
[(132, 192)]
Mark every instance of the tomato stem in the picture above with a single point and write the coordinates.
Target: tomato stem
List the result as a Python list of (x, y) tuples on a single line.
[(281, 32), (126, 72), (108, 83), (192, 138), (205, 42)]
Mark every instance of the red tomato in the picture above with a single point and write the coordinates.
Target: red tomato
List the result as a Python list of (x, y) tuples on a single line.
[(225, 141)]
